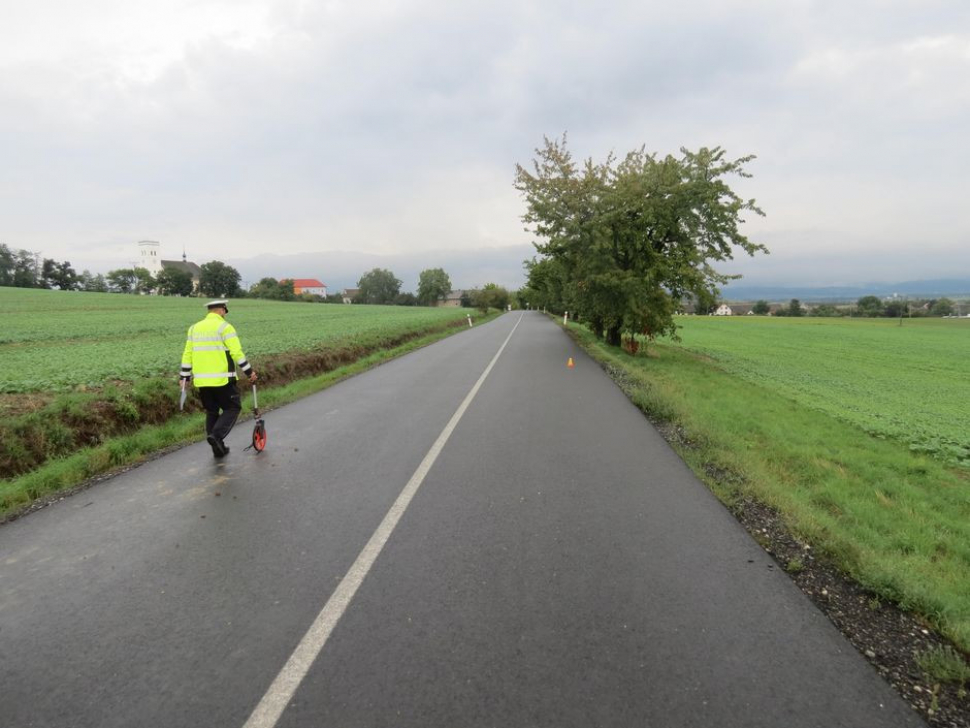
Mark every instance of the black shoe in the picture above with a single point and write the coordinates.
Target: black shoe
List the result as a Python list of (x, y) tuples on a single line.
[(218, 447)]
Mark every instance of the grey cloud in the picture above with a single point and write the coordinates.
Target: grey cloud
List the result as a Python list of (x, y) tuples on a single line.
[(399, 130)]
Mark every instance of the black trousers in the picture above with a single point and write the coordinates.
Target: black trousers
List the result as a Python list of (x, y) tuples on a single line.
[(225, 398)]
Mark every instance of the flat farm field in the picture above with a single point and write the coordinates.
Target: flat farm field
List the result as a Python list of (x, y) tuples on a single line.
[(55, 341), (909, 383)]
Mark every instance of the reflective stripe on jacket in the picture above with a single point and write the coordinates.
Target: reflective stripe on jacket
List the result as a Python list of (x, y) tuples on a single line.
[(211, 347)]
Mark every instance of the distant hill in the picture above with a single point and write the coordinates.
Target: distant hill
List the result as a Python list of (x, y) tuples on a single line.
[(911, 289)]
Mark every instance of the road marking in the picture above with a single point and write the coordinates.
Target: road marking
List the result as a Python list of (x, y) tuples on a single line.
[(274, 702)]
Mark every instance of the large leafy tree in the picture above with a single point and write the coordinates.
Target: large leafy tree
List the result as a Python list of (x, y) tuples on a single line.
[(942, 307), (491, 295), (8, 264), (123, 280), (218, 279), (378, 286), (66, 278), (633, 237), (546, 285), (871, 306), (96, 283), (48, 272), (146, 281), (895, 308), (174, 282), (25, 273), (433, 285), (273, 290)]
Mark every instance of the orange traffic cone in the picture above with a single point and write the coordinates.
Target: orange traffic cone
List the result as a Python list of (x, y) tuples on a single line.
[(570, 363)]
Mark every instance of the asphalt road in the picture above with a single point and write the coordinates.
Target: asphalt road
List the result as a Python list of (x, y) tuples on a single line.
[(556, 565)]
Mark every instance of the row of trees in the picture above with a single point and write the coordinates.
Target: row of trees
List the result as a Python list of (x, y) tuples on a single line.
[(26, 269), (623, 242), (874, 307), (381, 286), (867, 306), (216, 280)]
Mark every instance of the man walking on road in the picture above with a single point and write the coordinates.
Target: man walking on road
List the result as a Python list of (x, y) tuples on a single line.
[(211, 348)]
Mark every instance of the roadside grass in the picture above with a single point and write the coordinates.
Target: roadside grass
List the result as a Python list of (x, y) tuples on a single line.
[(944, 664), (896, 521), (64, 473)]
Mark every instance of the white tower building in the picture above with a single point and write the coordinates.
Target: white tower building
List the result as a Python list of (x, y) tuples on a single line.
[(149, 257)]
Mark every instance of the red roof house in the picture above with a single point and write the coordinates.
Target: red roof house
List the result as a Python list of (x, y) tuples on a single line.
[(308, 285)]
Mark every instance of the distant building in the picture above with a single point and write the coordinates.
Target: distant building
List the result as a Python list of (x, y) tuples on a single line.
[(148, 257), (349, 294), (723, 310), (307, 285), (453, 299), (189, 267)]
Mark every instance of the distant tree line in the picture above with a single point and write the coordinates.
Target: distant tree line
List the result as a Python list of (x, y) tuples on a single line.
[(380, 286), (26, 269), (875, 307), (865, 307)]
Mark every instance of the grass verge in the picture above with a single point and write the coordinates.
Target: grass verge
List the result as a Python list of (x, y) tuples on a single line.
[(896, 522), (944, 664), (59, 475)]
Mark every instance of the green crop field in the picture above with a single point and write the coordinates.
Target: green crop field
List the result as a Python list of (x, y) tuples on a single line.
[(910, 383), (53, 341), (87, 380)]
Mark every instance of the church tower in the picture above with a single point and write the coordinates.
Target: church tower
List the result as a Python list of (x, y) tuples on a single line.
[(149, 257)]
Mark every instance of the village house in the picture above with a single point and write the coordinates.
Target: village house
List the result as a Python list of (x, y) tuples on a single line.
[(453, 299), (307, 285), (349, 294)]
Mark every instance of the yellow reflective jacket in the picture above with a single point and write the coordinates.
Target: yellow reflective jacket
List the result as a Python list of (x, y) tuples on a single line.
[(210, 349)]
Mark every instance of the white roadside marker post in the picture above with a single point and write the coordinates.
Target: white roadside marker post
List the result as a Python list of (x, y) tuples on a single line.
[(469, 319), (565, 318)]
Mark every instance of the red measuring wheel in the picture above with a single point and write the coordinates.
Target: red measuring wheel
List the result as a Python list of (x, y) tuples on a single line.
[(259, 429), (259, 435)]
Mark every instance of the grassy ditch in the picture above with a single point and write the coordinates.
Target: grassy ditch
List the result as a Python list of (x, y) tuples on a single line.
[(895, 521), (79, 436)]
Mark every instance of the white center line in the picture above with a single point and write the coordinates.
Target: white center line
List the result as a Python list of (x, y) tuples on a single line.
[(270, 708)]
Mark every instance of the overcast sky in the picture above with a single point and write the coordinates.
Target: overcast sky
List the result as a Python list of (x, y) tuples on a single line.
[(244, 127)]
